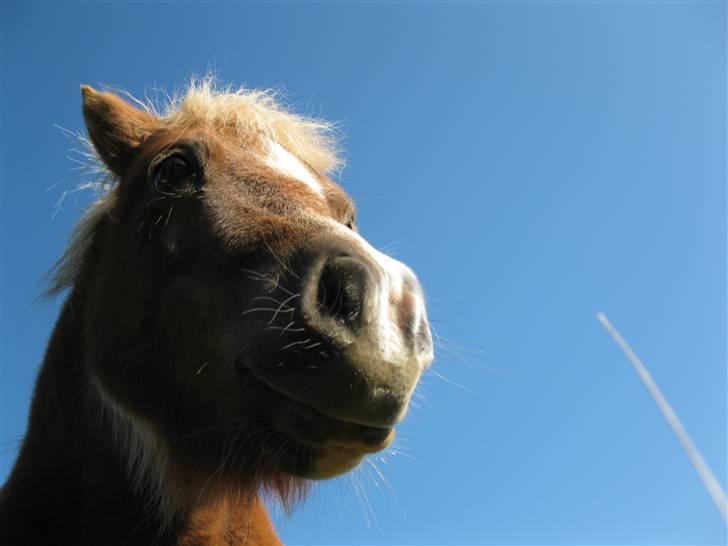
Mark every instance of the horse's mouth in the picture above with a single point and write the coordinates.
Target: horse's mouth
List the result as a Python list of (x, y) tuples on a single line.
[(334, 445), (322, 445), (318, 430)]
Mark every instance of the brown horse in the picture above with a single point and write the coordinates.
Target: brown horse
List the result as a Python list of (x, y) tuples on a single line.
[(227, 333)]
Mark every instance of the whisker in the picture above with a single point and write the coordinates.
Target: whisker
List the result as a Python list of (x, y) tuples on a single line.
[(280, 262), (286, 328), (293, 344), (269, 309), (281, 307)]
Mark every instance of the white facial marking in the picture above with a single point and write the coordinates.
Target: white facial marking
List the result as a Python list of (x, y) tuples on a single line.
[(285, 162)]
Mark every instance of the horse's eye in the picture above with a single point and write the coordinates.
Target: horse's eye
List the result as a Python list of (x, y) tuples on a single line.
[(175, 176), (350, 221)]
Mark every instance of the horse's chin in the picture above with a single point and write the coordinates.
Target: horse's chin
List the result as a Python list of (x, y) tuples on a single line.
[(322, 463), (320, 446), (334, 446)]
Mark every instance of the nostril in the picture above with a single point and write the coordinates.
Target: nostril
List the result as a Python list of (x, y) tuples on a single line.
[(341, 291), (405, 312)]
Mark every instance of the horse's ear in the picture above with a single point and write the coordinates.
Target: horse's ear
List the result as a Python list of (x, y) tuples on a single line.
[(115, 127)]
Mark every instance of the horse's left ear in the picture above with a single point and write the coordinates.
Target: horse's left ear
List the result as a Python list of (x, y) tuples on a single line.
[(115, 127)]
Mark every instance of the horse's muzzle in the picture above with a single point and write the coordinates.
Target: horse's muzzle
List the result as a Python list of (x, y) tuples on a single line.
[(343, 350), (374, 309), (371, 309)]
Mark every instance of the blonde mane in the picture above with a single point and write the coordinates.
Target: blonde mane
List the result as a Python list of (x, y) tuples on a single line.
[(247, 115)]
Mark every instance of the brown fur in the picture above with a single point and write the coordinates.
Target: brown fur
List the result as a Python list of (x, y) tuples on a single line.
[(147, 424)]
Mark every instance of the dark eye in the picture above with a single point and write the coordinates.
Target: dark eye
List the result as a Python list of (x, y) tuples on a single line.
[(176, 176), (351, 223)]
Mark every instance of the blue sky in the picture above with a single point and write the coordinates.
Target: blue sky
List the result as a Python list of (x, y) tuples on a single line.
[(533, 162)]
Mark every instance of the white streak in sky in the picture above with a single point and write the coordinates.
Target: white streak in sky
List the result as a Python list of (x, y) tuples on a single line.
[(712, 486)]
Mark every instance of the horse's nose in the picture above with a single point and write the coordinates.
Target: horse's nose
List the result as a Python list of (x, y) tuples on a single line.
[(343, 289), (370, 303), (407, 311), (358, 338)]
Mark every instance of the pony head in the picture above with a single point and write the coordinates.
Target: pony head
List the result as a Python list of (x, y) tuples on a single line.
[(237, 327)]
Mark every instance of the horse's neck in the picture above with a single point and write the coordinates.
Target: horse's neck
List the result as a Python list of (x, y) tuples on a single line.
[(70, 486)]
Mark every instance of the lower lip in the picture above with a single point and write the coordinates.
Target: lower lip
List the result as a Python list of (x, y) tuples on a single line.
[(318, 430)]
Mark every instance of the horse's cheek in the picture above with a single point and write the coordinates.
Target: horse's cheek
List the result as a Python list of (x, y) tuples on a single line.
[(194, 335)]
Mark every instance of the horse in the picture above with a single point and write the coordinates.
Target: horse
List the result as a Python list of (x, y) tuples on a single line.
[(228, 337)]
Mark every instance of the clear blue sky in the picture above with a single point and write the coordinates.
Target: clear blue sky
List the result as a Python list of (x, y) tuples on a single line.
[(533, 162)]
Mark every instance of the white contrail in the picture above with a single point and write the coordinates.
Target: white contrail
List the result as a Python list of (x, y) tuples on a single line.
[(712, 486)]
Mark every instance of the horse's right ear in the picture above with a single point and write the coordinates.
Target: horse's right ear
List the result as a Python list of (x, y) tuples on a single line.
[(115, 127)]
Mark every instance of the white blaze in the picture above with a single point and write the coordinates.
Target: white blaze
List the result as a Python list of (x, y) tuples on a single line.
[(288, 164)]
